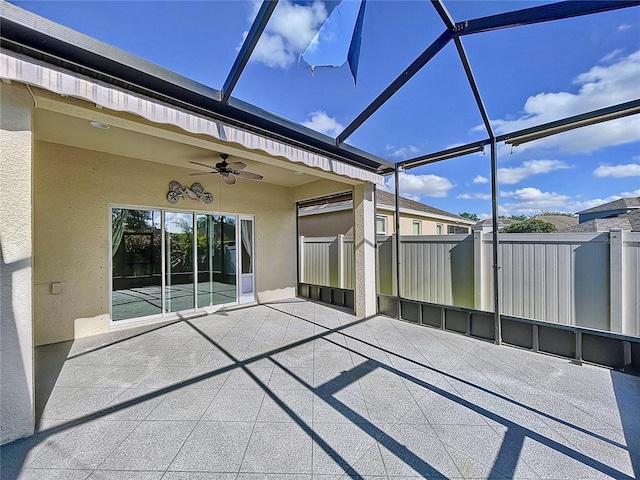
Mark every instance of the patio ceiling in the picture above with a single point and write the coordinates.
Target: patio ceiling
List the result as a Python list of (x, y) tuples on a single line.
[(63, 124), (239, 96)]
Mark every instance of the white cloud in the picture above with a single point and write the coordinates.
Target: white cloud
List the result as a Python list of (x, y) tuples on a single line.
[(612, 55), (624, 26), (618, 171), (475, 196), (530, 194), (480, 179), (323, 123), (288, 33), (402, 153), (531, 200), (511, 175), (416, 186), (600, 87)]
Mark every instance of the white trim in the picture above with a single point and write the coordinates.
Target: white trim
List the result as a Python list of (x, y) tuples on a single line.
[(63, 82), (244, 298)]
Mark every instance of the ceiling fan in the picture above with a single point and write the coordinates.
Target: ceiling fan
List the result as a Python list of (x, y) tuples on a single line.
[(228, 171)]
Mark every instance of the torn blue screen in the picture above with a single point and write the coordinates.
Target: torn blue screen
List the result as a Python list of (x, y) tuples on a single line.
[(338, 40)]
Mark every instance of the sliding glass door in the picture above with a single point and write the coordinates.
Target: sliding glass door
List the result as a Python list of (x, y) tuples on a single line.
[(216, 246), (175, 261), (179, 268), (136, 259)]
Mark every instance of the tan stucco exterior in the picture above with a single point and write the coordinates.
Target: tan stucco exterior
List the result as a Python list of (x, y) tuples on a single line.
[(60, 176), (341, 223), (73, 190), (16, 259), (428, 222)]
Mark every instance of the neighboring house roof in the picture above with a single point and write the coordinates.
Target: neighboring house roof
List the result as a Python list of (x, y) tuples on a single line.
[(559, 221), (629, 221), (386, 200), (504, 222), (620, 204), (389, 200)]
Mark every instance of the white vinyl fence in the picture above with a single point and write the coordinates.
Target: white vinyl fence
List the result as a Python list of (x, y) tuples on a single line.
[(327, 261), (586, 279)]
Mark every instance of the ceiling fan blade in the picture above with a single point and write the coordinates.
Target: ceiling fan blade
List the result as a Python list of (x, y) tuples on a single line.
[(228, 179), (248, 175), (210, 167), (200, 173), (236, 166)]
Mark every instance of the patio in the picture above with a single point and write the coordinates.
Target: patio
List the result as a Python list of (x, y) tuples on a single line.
[(301, 390)]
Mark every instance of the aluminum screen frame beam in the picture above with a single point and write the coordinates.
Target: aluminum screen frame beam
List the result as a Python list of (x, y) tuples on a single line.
[(444, 14), (518, 137), (540, 14), (582, 120), (36, 37), (249, 44), (424, 58), (474, 86)]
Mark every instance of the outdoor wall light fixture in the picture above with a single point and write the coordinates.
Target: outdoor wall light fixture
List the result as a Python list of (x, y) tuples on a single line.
[(100, 125)]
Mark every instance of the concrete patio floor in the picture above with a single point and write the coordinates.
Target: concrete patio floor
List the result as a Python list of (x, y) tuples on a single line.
[(297, 390)]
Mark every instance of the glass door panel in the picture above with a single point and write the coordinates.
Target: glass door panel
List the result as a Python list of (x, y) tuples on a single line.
[(205, 256), (216, 253), (136, 263), (246, 260), (179, 265), (224, 237)]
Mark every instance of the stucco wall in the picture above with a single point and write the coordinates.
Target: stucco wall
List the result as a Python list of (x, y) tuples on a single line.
[(73, 188), (336, 223), (16, 335), (428, 225)]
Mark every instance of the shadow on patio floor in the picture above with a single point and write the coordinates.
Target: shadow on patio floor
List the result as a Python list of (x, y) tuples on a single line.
[(300, 389)]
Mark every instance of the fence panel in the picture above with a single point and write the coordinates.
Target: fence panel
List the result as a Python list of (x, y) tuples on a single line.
[(558, 278), (386, 267), (316, 260), (348, 263), (437, 269), (631, 280)]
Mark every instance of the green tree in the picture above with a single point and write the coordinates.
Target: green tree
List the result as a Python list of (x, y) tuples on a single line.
[(470, 216), (530, 226)]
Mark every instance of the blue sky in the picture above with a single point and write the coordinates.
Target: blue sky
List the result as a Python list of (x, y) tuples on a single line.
[(527, 76)]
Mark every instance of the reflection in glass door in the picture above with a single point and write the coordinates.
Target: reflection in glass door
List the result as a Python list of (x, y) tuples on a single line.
[(216, 253), (179, 267), (136, 263), (164, 261)]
